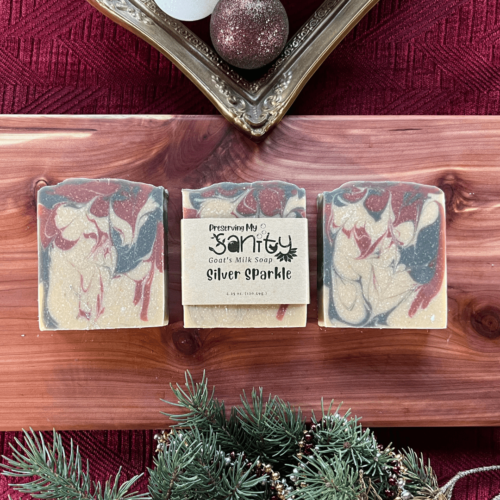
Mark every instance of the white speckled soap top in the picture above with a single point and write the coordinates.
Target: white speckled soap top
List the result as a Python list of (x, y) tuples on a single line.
[(101, 250), (382, 256)]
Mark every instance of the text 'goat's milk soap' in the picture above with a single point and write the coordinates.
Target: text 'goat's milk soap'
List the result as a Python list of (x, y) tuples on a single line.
[(382, 256), (101, 259), (245, 256)]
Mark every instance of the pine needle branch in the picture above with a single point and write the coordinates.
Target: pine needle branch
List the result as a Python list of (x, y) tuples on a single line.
[(421, 480), (59, 477), (274, 427), (205, 413), (192, 466), (342, 437), (326, 480), (262, 450)]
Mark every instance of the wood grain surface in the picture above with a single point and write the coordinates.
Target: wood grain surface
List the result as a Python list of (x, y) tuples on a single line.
[(115, 379)]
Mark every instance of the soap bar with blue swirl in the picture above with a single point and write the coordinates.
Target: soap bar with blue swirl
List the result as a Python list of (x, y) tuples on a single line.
[(382, 256), (101, 259), (228, 200)]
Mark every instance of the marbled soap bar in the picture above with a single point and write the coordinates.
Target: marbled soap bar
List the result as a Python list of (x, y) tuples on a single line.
[(101, 255), (247, 200), (382, 256)]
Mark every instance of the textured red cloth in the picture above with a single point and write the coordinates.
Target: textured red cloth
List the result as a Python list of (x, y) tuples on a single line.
[(405, 57), (450, 450)]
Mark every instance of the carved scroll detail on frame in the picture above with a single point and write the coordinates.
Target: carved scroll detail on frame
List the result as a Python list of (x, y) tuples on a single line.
[(255, 119), (200, 45), (254, 106), (126, 7), (298, 40), (291, 47)]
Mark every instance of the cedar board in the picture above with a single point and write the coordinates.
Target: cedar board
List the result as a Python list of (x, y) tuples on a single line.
[(115, 379)]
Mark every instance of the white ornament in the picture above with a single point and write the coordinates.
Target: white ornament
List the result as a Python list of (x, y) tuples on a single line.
[(187, 10)]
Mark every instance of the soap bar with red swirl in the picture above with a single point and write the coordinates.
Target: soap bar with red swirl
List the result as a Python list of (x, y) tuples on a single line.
[(101, 255), (248, 201), (382, 256)]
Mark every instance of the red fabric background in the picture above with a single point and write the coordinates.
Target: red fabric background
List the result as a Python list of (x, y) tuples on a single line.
[(405, 57), (450, 450)]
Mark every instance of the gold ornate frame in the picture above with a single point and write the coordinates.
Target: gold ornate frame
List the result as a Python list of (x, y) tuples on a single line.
[(254, 107)]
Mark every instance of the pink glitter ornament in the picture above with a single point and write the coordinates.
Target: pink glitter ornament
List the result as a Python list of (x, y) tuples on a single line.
[(249, 33)]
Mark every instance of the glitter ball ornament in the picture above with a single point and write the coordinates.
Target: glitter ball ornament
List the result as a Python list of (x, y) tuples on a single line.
[(249, 33)]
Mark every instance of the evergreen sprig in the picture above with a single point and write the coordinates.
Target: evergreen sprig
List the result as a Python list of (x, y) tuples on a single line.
[(421, 480), (59, 476), (204, 413), (326, 479), (272, 431), (263, 449), (268, 429), (342, 439), (193, 466)]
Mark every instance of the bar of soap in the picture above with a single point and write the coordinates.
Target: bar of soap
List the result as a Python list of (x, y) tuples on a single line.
[(382, 256), (246, 200), (101, 255)]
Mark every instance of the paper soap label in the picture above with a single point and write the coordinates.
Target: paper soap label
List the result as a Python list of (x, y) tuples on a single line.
[(244, 261)]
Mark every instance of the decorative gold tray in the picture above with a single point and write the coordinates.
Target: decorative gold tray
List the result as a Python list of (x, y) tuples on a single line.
[(253, 106)]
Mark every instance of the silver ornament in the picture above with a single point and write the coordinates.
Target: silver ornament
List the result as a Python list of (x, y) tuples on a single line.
[(406, 495)]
